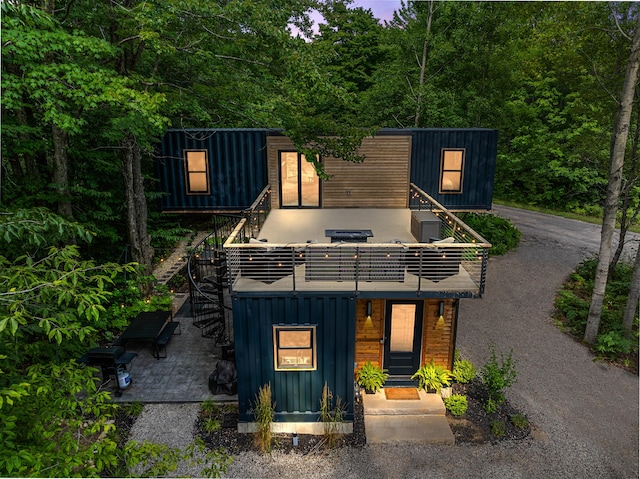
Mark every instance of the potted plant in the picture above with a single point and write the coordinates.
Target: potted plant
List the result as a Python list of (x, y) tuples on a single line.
[(371, 377), (432, 377)]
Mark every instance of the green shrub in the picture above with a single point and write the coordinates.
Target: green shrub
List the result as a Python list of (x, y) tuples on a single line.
[(371, 376), (463, 370), (432, 376), (612, 343), (497, 375), (574, 299), (209, 408), (500, 232), (211, 425), (498, 428), (519, 420), (456, 404)]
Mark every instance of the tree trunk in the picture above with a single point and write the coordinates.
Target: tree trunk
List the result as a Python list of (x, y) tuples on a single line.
[(136, 203), (620, 134), (633, 299), (628, 217), (61, 171), (423, 64)]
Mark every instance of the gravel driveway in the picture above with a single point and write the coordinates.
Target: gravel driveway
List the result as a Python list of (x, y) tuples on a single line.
[(584, 413)]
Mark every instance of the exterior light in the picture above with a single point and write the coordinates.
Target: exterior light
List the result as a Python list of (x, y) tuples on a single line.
[(440, 322), (368, 323)]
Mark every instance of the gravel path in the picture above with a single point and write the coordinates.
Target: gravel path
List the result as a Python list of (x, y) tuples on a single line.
[(585, 413)]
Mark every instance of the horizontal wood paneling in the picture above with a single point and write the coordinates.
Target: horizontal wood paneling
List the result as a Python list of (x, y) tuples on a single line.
[(368, 347), (382, 180), (437, 341)]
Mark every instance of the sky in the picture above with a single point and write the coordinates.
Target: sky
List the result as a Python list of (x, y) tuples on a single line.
[(382, 9)]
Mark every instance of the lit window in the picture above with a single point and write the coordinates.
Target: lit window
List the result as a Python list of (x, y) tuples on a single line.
[(294, 348), (197, 173), (451, 170)]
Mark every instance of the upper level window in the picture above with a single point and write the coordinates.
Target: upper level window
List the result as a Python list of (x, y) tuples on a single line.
[(451, 170), (294, 347), (197, 172)]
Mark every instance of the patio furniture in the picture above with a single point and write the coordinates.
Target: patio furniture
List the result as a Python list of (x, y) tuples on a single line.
[(147, 326), (165, 336), (110, 359)]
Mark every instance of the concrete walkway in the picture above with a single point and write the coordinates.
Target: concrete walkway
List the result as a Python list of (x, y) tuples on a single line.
[(421, 421)]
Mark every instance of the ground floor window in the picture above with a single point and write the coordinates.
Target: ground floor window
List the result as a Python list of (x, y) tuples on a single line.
[(294, 348)]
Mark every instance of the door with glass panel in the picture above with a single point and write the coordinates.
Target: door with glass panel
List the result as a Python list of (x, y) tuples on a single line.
[(403, 337), (299, 182)]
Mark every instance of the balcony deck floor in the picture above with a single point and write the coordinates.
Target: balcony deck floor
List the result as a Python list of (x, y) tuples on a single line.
[(285, 226)]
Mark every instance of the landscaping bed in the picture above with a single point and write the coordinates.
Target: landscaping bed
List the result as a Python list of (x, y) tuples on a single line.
[(476, 426)]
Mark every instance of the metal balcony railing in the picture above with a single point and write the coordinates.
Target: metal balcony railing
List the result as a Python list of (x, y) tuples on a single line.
[(455, 266)]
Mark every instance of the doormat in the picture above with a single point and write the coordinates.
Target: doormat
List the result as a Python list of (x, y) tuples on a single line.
[(396, 394)]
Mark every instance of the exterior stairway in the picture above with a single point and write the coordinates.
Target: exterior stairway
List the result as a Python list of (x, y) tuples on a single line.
[(420, 421)]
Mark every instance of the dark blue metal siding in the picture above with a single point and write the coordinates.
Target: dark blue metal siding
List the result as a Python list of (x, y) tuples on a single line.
[(296, 394), (237, 168), (479, 166)]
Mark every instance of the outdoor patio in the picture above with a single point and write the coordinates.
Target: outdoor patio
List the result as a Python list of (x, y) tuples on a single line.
[(183, 376)]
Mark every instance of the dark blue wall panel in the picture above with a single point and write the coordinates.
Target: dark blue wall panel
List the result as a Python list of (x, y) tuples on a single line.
[(297, 394), (237, 168), (479, 165)]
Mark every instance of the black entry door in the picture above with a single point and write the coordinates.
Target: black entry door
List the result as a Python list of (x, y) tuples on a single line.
[(403, 337)]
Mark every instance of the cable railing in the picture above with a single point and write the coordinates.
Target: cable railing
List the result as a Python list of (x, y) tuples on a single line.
[(454, 264)]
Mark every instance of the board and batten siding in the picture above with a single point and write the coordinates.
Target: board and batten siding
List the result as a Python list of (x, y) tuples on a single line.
[(236, 168), (297, 394), (381, 180)]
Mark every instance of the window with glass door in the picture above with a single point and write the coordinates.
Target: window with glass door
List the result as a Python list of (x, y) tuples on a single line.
[(299, 182)]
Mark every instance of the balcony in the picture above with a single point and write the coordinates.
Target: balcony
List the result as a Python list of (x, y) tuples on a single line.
[(289, 251)]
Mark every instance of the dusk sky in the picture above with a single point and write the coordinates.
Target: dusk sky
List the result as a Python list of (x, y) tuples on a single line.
[(382, 9)]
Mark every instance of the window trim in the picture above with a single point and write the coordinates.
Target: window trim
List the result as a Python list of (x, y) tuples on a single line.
[(277, 329), (187, 172), (443, 153)]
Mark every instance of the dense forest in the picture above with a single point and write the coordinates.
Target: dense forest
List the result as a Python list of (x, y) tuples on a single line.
[(89, 87)]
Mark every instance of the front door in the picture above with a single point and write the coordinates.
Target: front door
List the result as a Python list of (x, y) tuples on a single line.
[(403, 337)]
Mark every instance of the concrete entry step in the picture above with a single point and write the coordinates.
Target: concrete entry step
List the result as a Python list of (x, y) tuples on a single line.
[(408, 430), (406, 421), (428, 404)]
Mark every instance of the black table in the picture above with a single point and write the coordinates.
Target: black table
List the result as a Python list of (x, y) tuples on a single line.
[(147, 326)]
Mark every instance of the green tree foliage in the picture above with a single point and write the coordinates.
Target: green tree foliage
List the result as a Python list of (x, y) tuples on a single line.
[(572, 308), (57, 421)]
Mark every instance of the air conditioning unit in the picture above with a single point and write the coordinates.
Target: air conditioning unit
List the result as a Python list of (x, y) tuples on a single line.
[(425, 226)]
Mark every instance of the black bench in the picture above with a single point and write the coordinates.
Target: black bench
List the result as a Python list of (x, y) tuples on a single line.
[(165, 335)]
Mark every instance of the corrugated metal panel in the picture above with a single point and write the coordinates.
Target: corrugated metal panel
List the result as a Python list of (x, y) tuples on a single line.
[(479, 167), (237, 168), (296, 393)]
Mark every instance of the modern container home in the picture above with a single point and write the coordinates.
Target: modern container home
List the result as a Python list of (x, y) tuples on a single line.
[(326, 275)]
